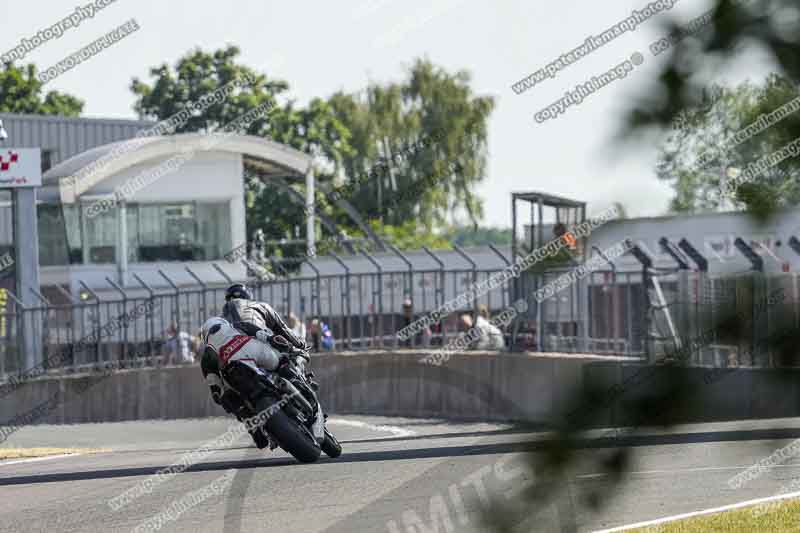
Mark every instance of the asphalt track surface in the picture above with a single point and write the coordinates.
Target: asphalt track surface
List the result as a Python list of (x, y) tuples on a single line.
[(394, 473)]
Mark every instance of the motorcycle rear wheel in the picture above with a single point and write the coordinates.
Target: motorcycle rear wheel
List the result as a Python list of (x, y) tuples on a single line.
[(293, 437)]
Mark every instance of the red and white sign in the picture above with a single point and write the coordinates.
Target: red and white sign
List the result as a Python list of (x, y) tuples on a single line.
[(20, 167)]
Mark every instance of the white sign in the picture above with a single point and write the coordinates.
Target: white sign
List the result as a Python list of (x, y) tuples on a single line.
[(20, 167)]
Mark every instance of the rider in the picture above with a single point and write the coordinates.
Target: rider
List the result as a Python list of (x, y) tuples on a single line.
[(272, 345), (259, 319), (223, 345), (251, 316)]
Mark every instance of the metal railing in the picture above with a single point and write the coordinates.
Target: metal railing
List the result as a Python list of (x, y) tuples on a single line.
[(607, 312)]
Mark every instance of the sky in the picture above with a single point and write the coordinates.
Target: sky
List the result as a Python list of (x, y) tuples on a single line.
[(321, 47)]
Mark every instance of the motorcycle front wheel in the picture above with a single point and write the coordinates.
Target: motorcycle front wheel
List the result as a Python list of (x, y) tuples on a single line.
[(331, 446)]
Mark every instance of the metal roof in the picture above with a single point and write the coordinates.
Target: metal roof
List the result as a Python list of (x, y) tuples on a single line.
[(269, 157), (64, 137)]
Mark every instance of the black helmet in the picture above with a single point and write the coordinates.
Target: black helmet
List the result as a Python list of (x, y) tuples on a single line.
[(237, 291)]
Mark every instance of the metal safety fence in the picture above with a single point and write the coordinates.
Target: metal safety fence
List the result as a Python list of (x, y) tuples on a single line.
[(712, 320), (605, 312)]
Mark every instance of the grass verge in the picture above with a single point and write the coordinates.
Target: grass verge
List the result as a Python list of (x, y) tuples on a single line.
[(780, 516), (23, 453)]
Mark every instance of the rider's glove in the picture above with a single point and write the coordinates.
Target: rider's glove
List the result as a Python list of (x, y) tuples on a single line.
[(263, 336), (280, 343)]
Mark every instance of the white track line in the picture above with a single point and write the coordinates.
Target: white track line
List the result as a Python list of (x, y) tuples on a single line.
[(685, 470), (394, 430), (37, 459), (666, 519)]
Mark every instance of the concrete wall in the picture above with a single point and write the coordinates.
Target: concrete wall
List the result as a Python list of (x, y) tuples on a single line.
[(489, 387)]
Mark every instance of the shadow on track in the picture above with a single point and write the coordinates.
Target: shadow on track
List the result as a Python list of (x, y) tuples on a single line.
[(424, 453)]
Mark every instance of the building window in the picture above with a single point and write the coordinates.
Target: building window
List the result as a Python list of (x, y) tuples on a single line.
[(47, 160), (181, 232), (191, 231), (53, 246), (101, 235), (72, 223)]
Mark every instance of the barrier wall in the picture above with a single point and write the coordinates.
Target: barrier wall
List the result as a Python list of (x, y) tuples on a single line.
[(471, 386)]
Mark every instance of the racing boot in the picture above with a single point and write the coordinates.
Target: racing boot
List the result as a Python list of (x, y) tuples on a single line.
[(261, 440)]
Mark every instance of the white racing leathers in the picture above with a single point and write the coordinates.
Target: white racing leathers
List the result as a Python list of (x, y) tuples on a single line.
[(232, 345)]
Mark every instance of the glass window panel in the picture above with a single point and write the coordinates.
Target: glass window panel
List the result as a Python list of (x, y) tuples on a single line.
[(214, 224), (168, 233), (53, 249), (7, 269), (164, 232), (133, 232), (72, 223), (101, 235)]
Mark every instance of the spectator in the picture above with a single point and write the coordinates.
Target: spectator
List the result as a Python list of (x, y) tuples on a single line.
[(427, 337), (464, 323), (491, 336), (408, 318), (465, 327), (179, 347), (314, 333), (297, 326), (327, 341), (259, 243)]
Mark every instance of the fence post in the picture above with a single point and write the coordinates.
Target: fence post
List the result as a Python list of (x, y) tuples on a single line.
[(177, 312), (315, 297), (345, 295), (99, 322), (379, 292), (474, 266), (204, 288), (17, 338), (152, 335), (42, 323), (124, 311), (409, 289), (222, 273), (507, 263)]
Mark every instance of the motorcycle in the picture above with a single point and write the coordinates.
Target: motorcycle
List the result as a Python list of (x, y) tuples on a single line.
[(285, 407)]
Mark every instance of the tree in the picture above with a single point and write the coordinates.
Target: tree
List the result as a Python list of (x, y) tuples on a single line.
[(429, 127), (420, 146), (313, 129), (732, 128), (197, 75), (21, 92)]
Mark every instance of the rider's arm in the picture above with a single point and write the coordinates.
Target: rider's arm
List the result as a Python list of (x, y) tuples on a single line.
[(279, 327), (224, 396), (248, 328), (209, 364)]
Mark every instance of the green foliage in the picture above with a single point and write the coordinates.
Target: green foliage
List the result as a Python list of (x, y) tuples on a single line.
[(472, 236), (419, 145), (408, 235), (390, 128), (665, 393), (313, 129), (199, 74), (696, 157), (22, 92)]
